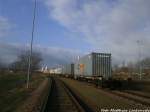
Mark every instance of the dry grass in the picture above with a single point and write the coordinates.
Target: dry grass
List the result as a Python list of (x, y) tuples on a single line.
[(13, 91)]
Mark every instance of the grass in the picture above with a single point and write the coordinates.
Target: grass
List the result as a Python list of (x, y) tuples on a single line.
[(13, 91)]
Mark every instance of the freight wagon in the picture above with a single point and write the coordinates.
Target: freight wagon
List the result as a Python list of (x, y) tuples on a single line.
[(93, 65), (95, 68), (68, 70)]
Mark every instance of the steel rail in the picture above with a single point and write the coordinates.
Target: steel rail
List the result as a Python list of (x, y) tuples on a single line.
[(43, 106), (77, 104)]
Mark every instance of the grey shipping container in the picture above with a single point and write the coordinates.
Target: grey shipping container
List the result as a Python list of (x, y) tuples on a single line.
[(68, 69), (94, 64)]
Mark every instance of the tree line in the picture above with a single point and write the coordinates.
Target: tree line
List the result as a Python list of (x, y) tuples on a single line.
[(22, 62)]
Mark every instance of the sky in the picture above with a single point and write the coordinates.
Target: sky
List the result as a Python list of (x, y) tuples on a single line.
[(65, 29)]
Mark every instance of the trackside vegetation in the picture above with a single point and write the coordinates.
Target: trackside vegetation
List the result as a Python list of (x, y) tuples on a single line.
[(13, 89)]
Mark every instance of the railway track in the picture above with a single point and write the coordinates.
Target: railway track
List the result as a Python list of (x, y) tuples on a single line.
[(138, 93), (62, 99), (132, 97), (137, 97)]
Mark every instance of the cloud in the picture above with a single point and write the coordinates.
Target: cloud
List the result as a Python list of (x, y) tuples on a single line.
[(52, 56), (109, 25), (5, 27), (56, 56)]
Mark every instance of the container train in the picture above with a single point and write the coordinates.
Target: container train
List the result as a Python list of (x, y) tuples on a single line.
[(95, 68), (91, 66)]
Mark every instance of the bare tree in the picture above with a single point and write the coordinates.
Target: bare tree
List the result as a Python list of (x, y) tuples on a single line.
[(23, 59), (2, 64), (146, 62)]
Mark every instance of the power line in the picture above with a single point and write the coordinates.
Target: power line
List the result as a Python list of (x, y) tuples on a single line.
[(31, 46)]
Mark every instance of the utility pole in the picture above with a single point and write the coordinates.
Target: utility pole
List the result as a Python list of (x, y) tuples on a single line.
[(140, 63), (78, 65), (31, 45)]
